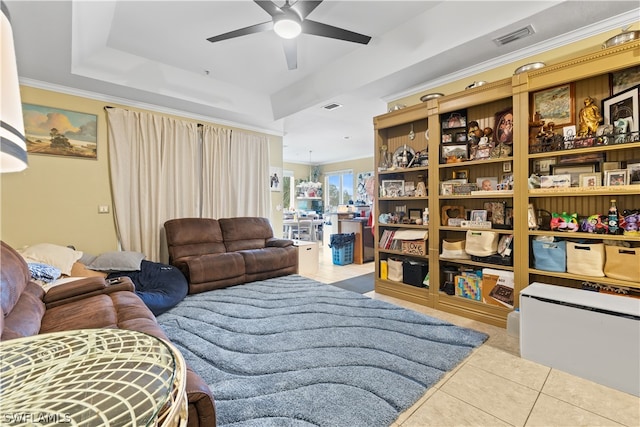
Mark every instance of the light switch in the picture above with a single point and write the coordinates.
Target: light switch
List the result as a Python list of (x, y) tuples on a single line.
[(103, 209)]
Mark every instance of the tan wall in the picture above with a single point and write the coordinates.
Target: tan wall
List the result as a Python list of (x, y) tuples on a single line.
[(56, 199), (357, 166)]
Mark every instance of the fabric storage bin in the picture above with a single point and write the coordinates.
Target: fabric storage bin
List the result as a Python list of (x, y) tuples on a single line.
[(550, 256), (481, 242), (454, 249), (622, 263), (586, 259), (394, 269), (414, 273)]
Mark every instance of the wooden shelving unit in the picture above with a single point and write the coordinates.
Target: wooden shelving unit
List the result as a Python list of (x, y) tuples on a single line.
[(590, 76)]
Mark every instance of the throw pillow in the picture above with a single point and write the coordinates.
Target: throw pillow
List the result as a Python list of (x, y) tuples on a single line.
[(58, 256), (117, 261)]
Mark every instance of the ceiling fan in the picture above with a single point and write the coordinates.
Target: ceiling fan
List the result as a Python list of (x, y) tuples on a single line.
[(288, 21)]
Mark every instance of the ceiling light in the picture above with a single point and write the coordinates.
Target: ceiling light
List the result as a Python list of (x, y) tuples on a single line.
[(287, 27)]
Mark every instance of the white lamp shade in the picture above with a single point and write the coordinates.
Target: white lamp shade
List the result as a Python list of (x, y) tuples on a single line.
[(13, 149)]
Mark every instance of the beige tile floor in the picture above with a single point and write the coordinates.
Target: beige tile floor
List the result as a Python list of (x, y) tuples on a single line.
[(495, 387)]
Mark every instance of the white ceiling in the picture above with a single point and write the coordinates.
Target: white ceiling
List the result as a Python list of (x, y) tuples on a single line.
[(154, 54)]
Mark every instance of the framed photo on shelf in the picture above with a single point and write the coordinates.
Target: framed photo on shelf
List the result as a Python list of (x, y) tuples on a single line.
[(624, 79), (415, 214), (478, 215), (461, 174), (555, 104), (461, 137), (409, 188), (446, 138), (621, 111), (504, 126), (454, 152), (496, 212), (616, 177), (392, 188), (446, 188), (590, 179), (543, 166), (575, 171), (487, 183), (633, 166)]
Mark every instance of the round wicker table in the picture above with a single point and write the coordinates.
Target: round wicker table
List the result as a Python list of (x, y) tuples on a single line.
[(92, 377)]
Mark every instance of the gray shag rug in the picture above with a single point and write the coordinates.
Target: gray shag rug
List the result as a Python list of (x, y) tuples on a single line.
[(291, 351)]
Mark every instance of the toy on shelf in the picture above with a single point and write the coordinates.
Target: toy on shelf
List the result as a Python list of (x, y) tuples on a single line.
[(595, 224), (564, 222)]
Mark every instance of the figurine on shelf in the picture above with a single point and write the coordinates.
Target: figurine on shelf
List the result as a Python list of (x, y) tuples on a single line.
[(385, 158), (590, 118)]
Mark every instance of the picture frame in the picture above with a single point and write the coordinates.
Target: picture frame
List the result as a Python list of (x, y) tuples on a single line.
[(446, 138), (75, 134), (409, 188), (446, 188), (275, 178), (532, 219), (590, 179), (478, 215), (392, 188), (487, 183), (455, 119), (506, 167), (415, 214), (461, 137), (634, 171), (555, 181), (621, 111), (574, 170), (454, 152), (508, 216), (496, 212), (461, 174), (506, 182), (543, 166), (616, 177), (451, 212), (624, 79), (556, 104), (504, 126)]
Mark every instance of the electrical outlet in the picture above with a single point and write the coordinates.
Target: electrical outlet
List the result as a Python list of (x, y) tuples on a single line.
[(103, 209)]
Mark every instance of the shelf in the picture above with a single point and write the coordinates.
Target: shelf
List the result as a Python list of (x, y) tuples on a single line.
[(308, 198), (582, 235), (392, 199), (392, 252), (423, 227), (497, 230), (618, 190), (598, 149), (475, 162), (403, 170), (477, 264), (489, 195), (604, 280)]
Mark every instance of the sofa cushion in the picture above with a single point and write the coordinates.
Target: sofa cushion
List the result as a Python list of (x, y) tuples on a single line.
[(262, 260), (14, 276), (193, 236), (245, 232), (212, 267), (75, 315), (26, 317)]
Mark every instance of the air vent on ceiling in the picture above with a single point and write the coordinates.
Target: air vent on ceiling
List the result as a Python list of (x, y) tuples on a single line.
[(516, 35), (332, 106)]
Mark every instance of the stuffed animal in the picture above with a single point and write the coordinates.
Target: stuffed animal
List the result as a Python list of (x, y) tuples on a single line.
[(564, 222)]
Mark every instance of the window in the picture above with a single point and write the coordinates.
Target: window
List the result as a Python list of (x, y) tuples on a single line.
[(288, 190), (339, 189)]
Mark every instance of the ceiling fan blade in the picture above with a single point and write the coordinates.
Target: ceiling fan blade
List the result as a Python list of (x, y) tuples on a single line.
[(270, 7), (324, 30), (291, 53), (304, 8), (265, 26)]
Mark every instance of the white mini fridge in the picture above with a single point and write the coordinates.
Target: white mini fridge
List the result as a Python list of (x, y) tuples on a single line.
[(592, 335)]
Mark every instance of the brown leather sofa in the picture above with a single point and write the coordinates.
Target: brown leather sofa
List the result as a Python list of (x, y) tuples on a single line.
[(26, 310), (216, 253)]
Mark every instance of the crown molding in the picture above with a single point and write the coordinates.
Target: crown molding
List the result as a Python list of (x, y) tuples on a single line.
[(38, 84)]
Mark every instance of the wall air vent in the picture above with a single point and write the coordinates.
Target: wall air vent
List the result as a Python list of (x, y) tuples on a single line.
[(332, 106), (516, 35)]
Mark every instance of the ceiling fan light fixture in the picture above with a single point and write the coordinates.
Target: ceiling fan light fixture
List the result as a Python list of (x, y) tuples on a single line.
[(287, 28)]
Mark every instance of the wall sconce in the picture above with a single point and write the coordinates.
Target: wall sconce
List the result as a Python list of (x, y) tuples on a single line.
[(13, 148)]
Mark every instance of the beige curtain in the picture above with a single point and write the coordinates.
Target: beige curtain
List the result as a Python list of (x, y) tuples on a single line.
[(155, 175), (162, 168), (235, 174)]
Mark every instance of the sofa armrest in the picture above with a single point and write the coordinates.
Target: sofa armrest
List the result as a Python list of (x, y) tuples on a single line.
[(275, 242), (84, 288)]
